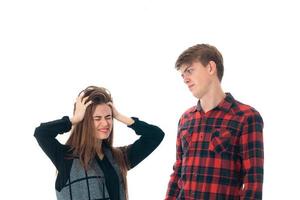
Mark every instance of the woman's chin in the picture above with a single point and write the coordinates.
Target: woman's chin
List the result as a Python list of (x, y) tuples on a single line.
[(102, 136)]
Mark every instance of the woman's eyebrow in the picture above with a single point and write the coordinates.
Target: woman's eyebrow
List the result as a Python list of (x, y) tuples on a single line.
[(99, 116)]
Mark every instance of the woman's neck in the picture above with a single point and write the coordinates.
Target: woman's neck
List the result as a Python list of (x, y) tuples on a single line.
[(99, 150)]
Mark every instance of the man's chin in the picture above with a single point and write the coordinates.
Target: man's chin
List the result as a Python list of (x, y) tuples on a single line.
[(195, 94)]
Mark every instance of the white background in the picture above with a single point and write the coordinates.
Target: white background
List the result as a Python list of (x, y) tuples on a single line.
[(50, 50)]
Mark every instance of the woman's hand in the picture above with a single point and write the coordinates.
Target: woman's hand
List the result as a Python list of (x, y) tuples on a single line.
[(80, 108), (118, 116)]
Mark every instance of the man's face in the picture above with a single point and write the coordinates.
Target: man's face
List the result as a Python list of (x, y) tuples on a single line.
[(197, 77)]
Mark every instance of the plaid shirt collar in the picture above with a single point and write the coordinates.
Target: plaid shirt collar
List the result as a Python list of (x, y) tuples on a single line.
[(224, 105)]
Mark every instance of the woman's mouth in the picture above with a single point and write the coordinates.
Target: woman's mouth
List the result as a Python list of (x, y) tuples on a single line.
[(104, 130)]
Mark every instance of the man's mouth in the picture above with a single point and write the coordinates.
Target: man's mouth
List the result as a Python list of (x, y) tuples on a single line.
[(190, 86)]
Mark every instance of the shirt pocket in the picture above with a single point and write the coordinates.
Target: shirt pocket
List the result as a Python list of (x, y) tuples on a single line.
[(185, 140), (181, 181), (220, 140)]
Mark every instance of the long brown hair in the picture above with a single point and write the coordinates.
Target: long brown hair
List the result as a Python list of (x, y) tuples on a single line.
[(82, 141)]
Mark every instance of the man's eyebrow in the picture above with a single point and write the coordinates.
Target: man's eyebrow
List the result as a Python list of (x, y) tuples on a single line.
[(186, 69)]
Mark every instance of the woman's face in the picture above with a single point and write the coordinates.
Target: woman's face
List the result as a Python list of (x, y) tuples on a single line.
[(103, 119)]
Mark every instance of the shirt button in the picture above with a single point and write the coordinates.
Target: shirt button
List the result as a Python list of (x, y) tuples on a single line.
[(201, 136)]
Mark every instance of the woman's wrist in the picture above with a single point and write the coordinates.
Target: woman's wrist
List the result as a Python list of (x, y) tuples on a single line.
[(73, 120), (124, 119)]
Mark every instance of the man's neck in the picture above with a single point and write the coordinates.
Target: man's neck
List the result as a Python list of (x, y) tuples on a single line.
[(212, 98)]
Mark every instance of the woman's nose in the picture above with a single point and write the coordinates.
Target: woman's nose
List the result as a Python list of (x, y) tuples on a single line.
[(104, 122)]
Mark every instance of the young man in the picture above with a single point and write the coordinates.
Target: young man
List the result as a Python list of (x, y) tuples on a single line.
[(219, 148)]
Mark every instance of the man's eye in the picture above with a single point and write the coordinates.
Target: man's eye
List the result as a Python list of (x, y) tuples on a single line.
[(189, 71)]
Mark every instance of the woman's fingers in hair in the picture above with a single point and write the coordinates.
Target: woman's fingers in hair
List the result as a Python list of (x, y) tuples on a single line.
[(114, 110), (83, 100), (79, 97), (88, 103), (112, 106)]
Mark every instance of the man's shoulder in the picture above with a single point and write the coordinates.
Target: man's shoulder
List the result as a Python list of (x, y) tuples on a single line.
[(189, 110), (244, 110), (187, 115)]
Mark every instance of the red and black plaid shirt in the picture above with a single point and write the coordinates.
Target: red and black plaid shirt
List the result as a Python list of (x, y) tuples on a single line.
[(219, 154)]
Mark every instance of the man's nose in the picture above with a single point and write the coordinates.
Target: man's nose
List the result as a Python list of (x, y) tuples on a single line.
[(186, 79)]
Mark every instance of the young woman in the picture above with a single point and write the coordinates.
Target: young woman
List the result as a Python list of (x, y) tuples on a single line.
[(88, 165)]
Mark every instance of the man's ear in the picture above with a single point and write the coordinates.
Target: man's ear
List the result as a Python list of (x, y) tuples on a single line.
[(212, 67)]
